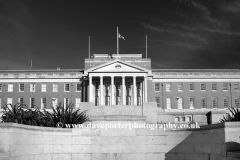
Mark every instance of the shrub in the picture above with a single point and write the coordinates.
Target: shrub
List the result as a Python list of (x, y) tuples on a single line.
[(67, 115), (20, 113), (234, 116)]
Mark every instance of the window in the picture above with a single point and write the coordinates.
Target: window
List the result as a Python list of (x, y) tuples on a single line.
[(180, 103), (44, 87), (168, 87), (180, 87), (10, 87), (9, 101), (189, 118), (236, 102), (20, 100), (176, 119), (78, 87), (157, 87), (225, 86), (203, 102), (21, 87), (214, 86), (225, 102), (157, 99), (236, 86), (168, 103), (203, 86), (191, 99), (183, 119), (32, 102), (214, 102), (43, 103), (55, 87), (66, 102), (191, 87), (54, 102), (0, 87), (32, 87), (78, 101), (66, 88)]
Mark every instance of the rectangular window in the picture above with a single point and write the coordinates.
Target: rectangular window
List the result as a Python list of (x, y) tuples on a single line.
[(236, 102), (191, 87), (78, 101), (32, 102), (236, 86), (78, 87), (9, 101), (66, 88), (168, 103), (32, 87), (55, 87), (183, 119), (192, 103), (66, 102), (54, 102), (157, 87), (180, 103), (180, 87), (0, 87), (10, 87), (214, 102), (43, 103), (176, 119), (20, 100), (44, 88), (203, 102), (203, 86), (225, 86), (21, 87), (225, 102), (214, 86), (189, 118), (168, 87), (157, 99)]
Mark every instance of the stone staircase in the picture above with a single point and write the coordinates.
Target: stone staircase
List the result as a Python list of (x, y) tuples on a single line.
[(117, 113)]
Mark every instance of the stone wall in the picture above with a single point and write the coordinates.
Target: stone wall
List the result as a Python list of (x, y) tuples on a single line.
[(33, 143)]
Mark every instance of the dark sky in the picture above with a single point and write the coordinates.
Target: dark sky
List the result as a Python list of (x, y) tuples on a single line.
[(182, 34)]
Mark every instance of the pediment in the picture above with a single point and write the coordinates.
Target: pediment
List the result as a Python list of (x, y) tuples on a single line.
[(117, 66)]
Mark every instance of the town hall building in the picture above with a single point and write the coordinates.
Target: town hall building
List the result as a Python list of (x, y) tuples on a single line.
[(180, 95)]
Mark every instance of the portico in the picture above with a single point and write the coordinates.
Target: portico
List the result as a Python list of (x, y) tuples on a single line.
[(117, 89), (117, 83)]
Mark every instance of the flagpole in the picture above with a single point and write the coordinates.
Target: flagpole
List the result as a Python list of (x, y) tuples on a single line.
[(89, 47), (146, 46), (117, 42)]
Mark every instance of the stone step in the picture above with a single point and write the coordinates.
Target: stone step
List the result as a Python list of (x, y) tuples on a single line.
[(118, 118), (116, 110)]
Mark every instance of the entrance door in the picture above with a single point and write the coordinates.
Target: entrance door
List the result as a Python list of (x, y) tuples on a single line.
[(97, 94), (118, 93), (107, 93), (139, 94), (128, 93)]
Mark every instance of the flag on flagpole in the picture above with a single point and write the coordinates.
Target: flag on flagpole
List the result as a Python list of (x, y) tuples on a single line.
[(121, 37)]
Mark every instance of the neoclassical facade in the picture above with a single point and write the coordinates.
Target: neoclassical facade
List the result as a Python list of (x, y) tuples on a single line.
[(126, 80)]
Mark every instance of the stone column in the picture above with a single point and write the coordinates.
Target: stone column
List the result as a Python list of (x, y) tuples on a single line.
[(90, 89), (145, 88), (134, 91), (101, 98), (112, 90), (123, 91)]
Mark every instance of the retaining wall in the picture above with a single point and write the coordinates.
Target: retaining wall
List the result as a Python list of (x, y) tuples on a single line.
[(23, 142)]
